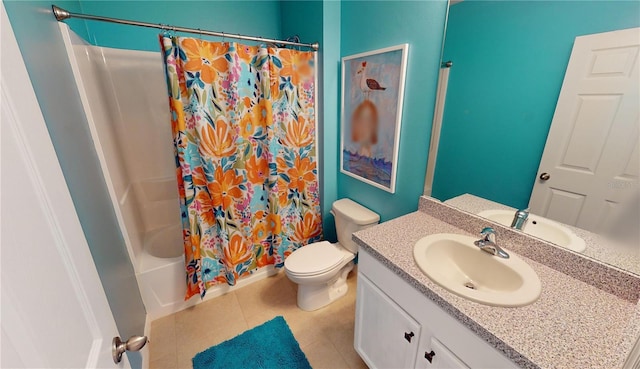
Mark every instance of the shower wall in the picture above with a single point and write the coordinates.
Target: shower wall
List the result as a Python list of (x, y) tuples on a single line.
[(135, 95), (126, 101)]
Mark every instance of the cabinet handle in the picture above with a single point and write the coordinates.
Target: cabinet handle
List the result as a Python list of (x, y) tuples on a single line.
[(408, 336), (429, 355)]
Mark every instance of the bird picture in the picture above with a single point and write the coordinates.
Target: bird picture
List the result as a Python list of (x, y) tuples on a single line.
[(367, 85), (371, 114)]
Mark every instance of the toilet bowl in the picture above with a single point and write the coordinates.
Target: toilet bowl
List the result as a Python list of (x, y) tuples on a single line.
[(320, 269)]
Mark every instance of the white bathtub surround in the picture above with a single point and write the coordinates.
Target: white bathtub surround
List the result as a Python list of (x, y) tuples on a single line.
[(124, 95)]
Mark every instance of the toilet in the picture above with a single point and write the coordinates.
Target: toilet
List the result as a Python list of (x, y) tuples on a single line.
[(320, 269)]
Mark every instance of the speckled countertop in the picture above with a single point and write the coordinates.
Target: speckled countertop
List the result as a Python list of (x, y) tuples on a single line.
[(572, 325), (597, 246)]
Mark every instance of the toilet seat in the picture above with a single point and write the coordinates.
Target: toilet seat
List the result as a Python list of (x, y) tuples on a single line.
[(316, 258)]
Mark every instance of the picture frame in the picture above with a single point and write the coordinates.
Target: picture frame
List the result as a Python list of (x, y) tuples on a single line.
[(373, 85)]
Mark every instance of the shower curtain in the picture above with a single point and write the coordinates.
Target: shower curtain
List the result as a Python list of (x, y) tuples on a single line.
[(243, 121)]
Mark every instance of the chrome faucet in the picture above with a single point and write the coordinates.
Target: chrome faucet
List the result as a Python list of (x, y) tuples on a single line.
[(488, 243), (520, 219)]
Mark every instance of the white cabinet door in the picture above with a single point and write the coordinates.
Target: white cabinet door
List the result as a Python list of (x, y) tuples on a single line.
[(591, 154), (386, 336)]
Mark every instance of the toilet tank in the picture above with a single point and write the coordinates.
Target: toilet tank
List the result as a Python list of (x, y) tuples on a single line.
[(351, 217)]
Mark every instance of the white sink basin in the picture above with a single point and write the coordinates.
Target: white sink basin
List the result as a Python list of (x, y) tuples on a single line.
[(455, 263), (540, 227)]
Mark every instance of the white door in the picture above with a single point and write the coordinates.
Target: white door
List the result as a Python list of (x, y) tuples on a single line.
[(385, 335), (55, 313), (591, 154)]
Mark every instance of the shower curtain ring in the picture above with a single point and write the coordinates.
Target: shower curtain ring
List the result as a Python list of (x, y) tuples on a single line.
[(222, 37)]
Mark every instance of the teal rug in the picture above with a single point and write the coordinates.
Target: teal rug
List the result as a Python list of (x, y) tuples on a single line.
[(267, 346)]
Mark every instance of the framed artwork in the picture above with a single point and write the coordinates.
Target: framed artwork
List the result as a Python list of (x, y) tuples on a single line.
[(372, 94)]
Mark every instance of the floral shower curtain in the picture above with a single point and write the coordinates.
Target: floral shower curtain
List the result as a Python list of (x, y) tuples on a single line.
[(243, 121)]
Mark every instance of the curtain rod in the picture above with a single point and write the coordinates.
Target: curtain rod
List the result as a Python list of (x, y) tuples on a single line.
[(62, 14)]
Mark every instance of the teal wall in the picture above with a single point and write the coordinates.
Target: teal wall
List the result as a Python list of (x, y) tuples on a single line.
[(370, 25), (256, 18), (301, 18), (509, 59), (330, 74), (43, 50)]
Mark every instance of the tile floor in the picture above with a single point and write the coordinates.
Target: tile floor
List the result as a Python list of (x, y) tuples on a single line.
[(325, 335)]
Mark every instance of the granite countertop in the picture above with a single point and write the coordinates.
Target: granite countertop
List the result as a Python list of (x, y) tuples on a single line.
[(572, 325), (597, 246)]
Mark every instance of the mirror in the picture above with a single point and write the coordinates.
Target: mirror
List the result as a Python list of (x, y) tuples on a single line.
[(513, 136)]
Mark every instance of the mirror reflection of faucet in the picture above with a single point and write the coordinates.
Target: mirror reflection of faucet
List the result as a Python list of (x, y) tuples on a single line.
[(536, 226), (520, 219)]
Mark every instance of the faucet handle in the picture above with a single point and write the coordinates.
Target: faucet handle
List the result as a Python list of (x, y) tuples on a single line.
[(488, 234), (488, 243), (487, 230)]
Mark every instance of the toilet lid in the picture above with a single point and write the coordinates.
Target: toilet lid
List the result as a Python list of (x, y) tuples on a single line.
[(315, 258)]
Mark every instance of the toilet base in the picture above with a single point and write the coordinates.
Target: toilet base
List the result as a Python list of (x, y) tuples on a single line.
[(315, 296)]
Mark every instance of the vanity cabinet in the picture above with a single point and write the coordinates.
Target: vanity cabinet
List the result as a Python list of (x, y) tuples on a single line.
[(387, 336), (398, 327)]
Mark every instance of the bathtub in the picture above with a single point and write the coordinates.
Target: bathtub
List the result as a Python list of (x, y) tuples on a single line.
[(165, 243), (162, 274), (161, 271)]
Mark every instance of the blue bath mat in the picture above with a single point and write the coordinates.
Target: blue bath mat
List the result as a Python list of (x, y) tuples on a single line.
[(267, 346)]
